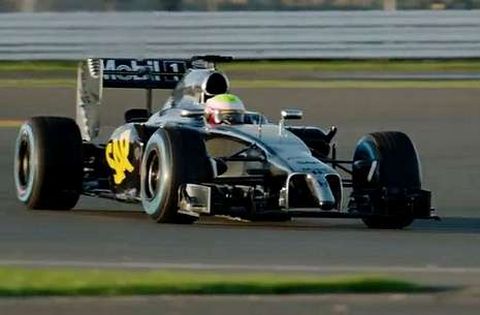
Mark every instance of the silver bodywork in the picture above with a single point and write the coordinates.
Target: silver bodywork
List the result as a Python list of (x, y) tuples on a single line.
[(286, 153), (283, 150), (248, 170)]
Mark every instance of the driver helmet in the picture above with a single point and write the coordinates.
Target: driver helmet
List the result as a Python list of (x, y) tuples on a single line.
[(224, 109)]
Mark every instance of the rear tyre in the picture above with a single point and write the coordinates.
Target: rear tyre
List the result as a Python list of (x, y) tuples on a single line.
[(172, 157), (397, 169), (48, 163)]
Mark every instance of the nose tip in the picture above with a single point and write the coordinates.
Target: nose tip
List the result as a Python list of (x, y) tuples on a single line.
[(327, 205)]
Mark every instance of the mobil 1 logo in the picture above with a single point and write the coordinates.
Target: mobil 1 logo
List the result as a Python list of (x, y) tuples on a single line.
[(143, 72)]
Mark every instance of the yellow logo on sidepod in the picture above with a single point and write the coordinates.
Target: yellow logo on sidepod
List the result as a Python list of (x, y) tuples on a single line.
[(117, 156)]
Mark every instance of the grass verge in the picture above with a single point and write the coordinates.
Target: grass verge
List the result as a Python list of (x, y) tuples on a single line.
[(353, 84), (92, 282), (287, 65), (37, 66), (38, 83), (356, 65), (284, 84)]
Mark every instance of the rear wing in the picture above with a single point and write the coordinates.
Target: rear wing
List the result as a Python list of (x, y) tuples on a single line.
[(143, 74), (94, 75), (152, 73)]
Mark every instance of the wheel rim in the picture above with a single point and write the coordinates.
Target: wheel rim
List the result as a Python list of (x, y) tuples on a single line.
[(24, 163), (156, 175), (153, 175)]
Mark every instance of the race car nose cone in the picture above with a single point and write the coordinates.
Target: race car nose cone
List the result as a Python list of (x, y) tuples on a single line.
[(327, 205)]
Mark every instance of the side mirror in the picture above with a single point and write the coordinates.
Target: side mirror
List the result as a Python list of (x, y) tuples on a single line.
[(291, 114), (288, 114)]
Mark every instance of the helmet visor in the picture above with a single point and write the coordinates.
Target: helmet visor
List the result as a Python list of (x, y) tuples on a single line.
[(231, 117)]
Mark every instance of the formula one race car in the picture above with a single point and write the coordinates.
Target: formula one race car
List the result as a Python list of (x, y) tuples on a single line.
[(179, 166)]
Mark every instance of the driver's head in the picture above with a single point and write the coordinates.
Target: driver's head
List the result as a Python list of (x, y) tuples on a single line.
[(224, 109)]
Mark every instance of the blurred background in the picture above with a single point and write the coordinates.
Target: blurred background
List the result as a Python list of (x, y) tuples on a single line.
[(227, 5)]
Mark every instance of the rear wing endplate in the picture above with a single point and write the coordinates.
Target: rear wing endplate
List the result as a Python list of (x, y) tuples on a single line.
[(96, 74)]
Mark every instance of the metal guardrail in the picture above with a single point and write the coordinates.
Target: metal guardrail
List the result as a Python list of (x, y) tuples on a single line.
[(257, 35)]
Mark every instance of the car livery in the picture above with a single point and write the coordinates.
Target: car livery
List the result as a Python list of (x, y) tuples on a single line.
[(179, 167)]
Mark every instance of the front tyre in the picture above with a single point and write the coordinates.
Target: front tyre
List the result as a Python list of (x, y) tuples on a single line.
[(386, 173), (48, 163), (172, 157)]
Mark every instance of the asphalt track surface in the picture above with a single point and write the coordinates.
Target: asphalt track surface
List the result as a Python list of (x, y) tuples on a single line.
[(391, 304), (444, 124)]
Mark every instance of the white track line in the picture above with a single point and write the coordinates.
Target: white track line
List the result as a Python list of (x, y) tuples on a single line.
[(206, 266)]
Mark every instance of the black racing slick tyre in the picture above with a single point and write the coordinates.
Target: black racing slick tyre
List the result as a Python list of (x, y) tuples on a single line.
[(172, 157), (396, 168), (48, 163)]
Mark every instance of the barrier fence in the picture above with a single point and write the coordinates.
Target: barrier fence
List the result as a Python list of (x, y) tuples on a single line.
[(246, 35)]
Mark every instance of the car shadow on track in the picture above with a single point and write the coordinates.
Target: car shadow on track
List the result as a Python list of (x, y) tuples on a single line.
[(470, 225)]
